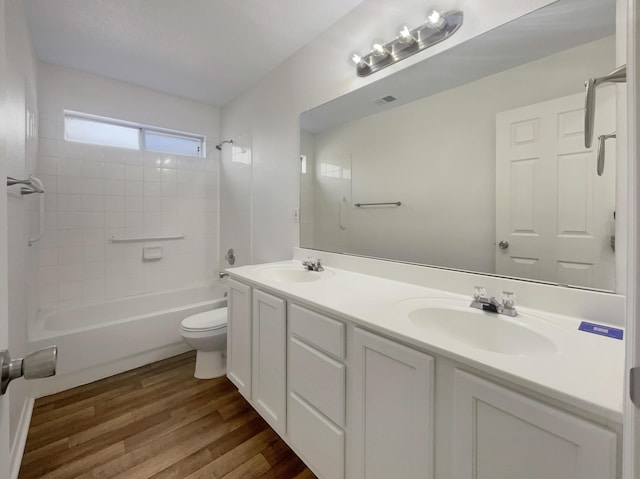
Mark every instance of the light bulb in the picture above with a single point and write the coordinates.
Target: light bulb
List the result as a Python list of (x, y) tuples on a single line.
[(379, 51), (435, 20), (405, 36), (357, 59)]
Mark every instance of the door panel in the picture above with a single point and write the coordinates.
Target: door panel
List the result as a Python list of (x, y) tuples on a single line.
[(551, 207)]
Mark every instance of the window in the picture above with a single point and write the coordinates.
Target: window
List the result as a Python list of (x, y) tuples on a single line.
[(85, 128)]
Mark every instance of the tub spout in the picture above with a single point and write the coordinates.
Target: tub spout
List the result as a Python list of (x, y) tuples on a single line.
[(223, 274)]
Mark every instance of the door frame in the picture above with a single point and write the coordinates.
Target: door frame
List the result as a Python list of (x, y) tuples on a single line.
[(5, 442), (631, 430)]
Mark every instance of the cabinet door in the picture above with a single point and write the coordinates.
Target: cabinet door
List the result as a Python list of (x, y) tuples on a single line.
[(500, 434), (269, 359), (239, 337), (391, 407)]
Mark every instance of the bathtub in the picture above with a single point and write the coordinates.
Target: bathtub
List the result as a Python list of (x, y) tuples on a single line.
[(94, 335)]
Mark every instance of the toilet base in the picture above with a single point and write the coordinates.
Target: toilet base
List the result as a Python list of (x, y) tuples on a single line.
[(210, 364)]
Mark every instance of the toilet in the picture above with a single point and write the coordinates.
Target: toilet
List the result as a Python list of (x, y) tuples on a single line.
[(207, 333)]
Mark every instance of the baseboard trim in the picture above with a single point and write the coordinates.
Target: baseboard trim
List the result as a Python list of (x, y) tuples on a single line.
[(20, 440), (62, 382)]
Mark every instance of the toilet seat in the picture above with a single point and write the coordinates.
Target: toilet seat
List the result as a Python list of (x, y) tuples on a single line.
[(206, 321)]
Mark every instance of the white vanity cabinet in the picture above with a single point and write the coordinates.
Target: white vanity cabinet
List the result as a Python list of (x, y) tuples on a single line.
[(356, 405), (500, 434), (391, 410), (317, 390), (239, 337), (269, 356)]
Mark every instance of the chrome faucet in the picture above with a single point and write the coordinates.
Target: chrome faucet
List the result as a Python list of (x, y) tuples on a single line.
[(489, 303), (311, 265)]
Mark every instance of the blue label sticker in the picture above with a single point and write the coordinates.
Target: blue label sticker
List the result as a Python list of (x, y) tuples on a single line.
[(601, 329)]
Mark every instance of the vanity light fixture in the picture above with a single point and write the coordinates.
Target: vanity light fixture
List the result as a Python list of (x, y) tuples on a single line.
[(405, 36), (435, 20), (437, 27)]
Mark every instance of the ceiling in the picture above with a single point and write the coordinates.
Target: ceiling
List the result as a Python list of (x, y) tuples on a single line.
[(205, 50)]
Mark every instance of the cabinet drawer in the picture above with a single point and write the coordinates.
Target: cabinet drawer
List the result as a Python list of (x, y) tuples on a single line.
[(321, 331), (320, 443), (318, 379)]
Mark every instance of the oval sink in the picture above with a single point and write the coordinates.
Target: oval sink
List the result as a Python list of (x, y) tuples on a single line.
[(291, 274), (479, 329)]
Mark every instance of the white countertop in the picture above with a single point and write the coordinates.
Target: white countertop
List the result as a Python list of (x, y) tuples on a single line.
[(586, 371)]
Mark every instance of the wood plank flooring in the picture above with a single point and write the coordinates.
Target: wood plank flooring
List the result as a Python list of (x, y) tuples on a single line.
[(156, 421)]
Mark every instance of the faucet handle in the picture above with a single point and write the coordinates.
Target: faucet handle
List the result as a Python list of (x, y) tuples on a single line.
[(508, 299), (479, 292)]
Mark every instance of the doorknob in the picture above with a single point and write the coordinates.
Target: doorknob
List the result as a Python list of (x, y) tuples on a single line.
[(503, 244), (39, 364)]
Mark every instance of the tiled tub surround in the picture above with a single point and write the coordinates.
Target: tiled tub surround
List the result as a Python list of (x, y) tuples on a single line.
[(95, 192), (586, 373)]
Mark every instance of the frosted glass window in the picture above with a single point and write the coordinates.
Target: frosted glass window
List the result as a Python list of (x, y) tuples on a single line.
[(87, 128), (90, 131), (167, 143)]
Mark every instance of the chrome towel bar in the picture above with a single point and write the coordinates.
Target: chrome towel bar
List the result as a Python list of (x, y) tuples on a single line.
[(391, 203), (114, 239)]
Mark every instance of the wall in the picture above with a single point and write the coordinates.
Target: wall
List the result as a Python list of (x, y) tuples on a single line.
[(21, 70), (95, 192), (268, 115), (437, 155)]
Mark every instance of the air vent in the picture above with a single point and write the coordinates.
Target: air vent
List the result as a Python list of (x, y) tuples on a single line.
[(384, 100)]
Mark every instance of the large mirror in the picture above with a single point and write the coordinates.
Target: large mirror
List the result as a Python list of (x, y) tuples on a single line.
[(478, 154)]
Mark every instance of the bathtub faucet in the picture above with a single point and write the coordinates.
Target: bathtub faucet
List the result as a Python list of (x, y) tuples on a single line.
[(222, 274)]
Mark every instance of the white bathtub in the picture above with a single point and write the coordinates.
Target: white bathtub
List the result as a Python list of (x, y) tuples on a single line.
[(93, 335)]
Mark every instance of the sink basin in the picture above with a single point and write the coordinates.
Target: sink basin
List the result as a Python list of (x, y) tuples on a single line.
[(477, 329), (291, 274)]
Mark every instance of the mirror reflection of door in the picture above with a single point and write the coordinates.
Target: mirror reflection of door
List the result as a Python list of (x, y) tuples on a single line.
[(554, 214)]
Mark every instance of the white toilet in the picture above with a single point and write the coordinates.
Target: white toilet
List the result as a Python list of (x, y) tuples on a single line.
[(207, 333)]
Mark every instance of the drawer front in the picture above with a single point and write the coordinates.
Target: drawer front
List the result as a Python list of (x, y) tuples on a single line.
[(321, 331), (317, 440), (318, 379)]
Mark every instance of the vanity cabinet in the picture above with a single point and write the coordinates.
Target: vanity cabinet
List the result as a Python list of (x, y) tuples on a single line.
[(356, 405), (239, 337), (391, 410), (500, 434), (317, 390), (269, 359)]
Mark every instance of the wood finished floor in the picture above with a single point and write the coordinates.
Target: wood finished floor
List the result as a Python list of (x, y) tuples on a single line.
[(156, 421)]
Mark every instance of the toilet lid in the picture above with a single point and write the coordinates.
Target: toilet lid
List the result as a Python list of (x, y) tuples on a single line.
[(206, 321)]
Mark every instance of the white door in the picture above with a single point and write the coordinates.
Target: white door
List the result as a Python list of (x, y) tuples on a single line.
[(4, 326), (631, 438), (553, 210)]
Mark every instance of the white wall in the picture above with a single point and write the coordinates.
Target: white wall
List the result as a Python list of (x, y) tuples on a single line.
[(437, 156), (268, 115), (95, 192), (21, 69)]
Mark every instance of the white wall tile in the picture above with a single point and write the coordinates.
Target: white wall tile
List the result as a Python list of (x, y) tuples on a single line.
[(69, 167), (114, 203), (92, 186), (114, 171), (69, 202), (95, 192), (133, 173), (70, 272), (152, 174), (113, 187), (69, 220), (70, 291), (92, 169)]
